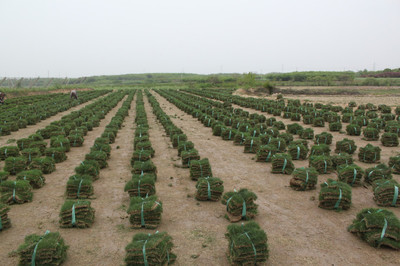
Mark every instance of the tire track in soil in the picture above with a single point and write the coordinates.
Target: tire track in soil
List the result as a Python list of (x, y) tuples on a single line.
[(193, 225), (43, 212), (298, 231), (30, 129)]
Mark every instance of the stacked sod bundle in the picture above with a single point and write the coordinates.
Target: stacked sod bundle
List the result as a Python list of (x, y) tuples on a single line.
[(48, 249), (279, 143), (248, 244), (307, 133), (335, 126), (23, 143), (335, 195), (58, 154), (185, 146), (99, 156), (45, 164), (4, 220), (75, 140), (394, 164), (34, 177), (150, 249), (102, 147), (178, 138), (322, 163), (353, 130), (145, 212), (371, 133), (380, 171), (320, 149), (141, 185), (8, 151), (251, 144), (146, 167), (140, 156), (76, 214), (16, 192), (386, 192), (266, 152), (377, 227), (298, 151), (341, 158), (88, 168), (188, 156), (390, 139), (282, 164), (200, 168), (240, 205), (304, 179), (350, 174), (79, 187), (369, 154), (228, 133), (60, 142), (240, 138), (14, 165), (346, 145), (323, 138), (3, 176), (209, 188), (145, 146)]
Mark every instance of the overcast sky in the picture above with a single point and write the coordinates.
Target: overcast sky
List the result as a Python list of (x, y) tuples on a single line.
[(81, 37)]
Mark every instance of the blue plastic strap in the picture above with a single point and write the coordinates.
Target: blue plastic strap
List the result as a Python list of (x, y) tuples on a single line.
[(15, 183), (34, 251), (354, 176), (139, 187), (230, 134), (144, 252), (251, 145), (395, 196), (340, 198), (1, 225), (79, 188), (268, 156), (73, 215), (305, 184), (244, 209), (209, 191), (298, 153), (325, 166), (284, 166), (383, 230), (252, 244), (142, 215)]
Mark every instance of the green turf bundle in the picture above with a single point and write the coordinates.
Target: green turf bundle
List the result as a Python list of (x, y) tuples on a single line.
[(394, 164), (144, 167), (390, 139), (217, 129), (282, 164), (273, 131), (141, 131), (369, 154), (318, 122), (60, 142), (393, 127), (380, 171), (307, 133), (240, 205), (386, 192), (4, 220), (36, 137), (23, 143), (200, 168), (209, 188), (58, 154), (295, 117), (48, 249), (3, 176), (14, 165), (278, 125), (304, 178), (335, 195), (239, 138), (347, 118), (78, 214), (320, 149), (353, 130), (378, 227), (323, 138), (178, 138), (341, 158), (308, 119), (150, 249), (75, 140), (279, 143), (99, 156), (346, 145), (298, 151), (294, 128), (102, 141), (31, 153), (79, 187), (110, 135), (88, 167), (141, 185), (322, 163), (251, 144), (370, 134), (185, 146), (265, 153), (34, 177), (145, 146), (228, 133), (145, 212), (16, 192), (335, 126), (8, 151), (5, 130), (41, 145), (45, 164), (102, 147), (140, 156), (141, 139), (248, 244), (350, 174), (286, 136), (188, 156)]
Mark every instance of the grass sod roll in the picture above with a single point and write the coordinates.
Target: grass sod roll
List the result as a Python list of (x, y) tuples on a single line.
[(320, 149), (141, 185), (298, 151), (240, 205), (380, 171), (140, 139), (17, 192), (377, 227), (36, 137), (335, 126), (150, 249), (322, 163), (370, 134), (341, 158), (200, 168), (145, 146), (34, 177), (307, 133), (45, 164), (351, 174), (5, 222), (48, 249), (178, 138), (75, 140), (23, 143), (353, 130), (304, 179), (60, 142), (4, 176), (282, 164), (294, 128), (386, 192), (77, 214), (110, 135), (251, 144), (88, 167), (144, 167), (41, 145), (101, 147), (369, 154), (323, 138), (335, 195), (145, 212), (140, 156), (209, 188), (279, 143), (240, 138), (390, 139), (188, 156), (185, 146), (266, 152), (346, 145), (99, 156), (228, 133), (31, 153), (8, 151), (79, 187), (58, 154), (394, 164), (14, 165), (248, 244)]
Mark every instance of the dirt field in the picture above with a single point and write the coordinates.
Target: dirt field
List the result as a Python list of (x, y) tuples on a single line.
[(299, 233)]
